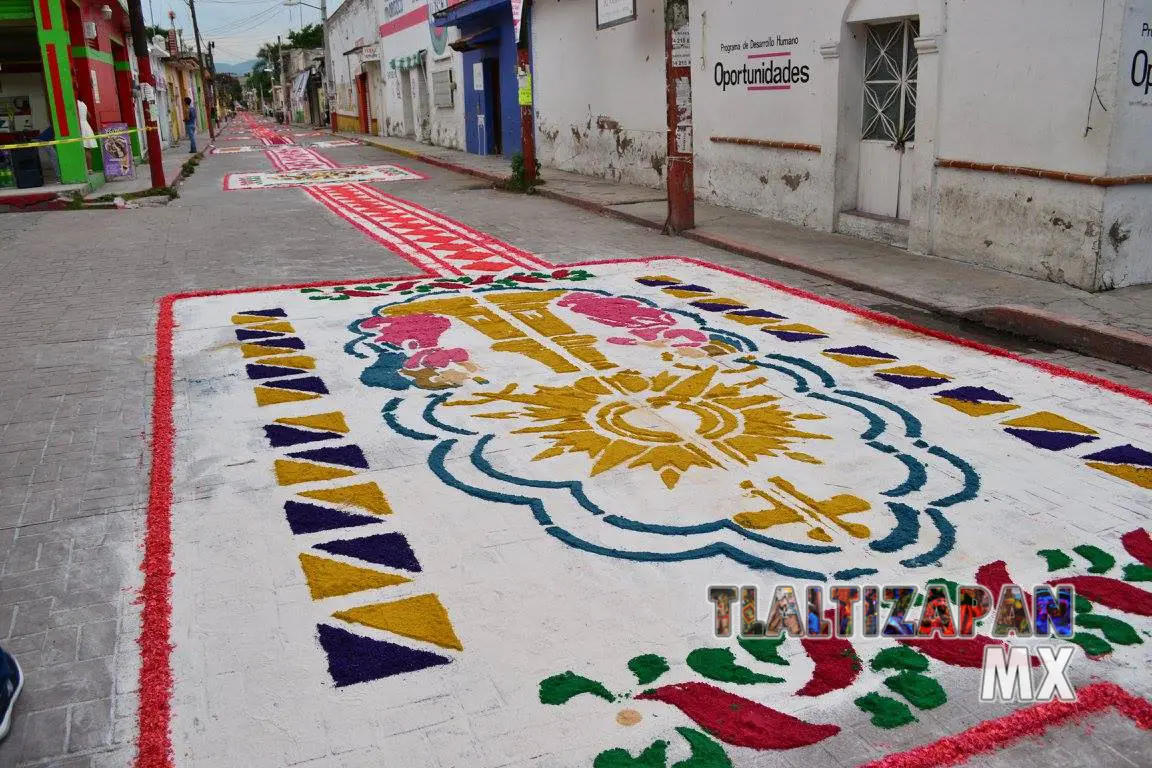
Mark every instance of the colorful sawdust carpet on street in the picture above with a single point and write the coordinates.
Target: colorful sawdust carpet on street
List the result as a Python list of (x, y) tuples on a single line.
[(472, 519), (297, 178)]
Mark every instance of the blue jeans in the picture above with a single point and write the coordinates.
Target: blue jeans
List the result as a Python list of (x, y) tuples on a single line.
[(190, 129)]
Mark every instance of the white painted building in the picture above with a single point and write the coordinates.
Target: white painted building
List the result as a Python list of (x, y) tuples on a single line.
[(1013, 135), (393, 73)]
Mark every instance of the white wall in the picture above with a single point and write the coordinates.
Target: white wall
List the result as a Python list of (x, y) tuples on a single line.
[(443, 127), (353, 23), (599, 95), (29, 84)]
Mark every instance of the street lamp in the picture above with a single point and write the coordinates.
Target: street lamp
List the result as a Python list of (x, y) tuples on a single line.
[(323, 8)]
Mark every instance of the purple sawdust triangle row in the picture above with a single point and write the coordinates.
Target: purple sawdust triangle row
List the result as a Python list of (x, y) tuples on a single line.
[(247, 334), (344, 455), (356, 659), (305, 384), (310, 518), (281, 436), (390, 549), (266, 312)]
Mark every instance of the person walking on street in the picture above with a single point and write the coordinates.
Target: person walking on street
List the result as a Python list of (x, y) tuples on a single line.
[(11, 681), (190, 123)]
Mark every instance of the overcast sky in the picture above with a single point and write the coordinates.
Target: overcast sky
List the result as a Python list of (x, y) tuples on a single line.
[(238, 27)]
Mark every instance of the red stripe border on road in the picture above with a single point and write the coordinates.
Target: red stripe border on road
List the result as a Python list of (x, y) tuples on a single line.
[(155, 739), (1032, 721)]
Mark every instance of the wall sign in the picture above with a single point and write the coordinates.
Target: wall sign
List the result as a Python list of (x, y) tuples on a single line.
[(609, 13), (477, 76), (117, 152), (760, 64)]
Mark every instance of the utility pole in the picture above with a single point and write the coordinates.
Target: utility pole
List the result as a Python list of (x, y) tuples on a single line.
[(678, 73), (144, 60), (200, 55), (283, 82), (524, 89), (327, 64)]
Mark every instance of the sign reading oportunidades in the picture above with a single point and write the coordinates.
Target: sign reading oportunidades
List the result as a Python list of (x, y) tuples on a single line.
[(763, 65)]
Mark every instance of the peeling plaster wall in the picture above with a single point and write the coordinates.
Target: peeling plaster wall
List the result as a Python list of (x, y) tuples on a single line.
[(442, 127), (353, 21), (1036, 227), (776, 183), (600, 96)]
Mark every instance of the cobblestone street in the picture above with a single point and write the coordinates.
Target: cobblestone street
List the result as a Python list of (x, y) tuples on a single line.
[(78, 320)]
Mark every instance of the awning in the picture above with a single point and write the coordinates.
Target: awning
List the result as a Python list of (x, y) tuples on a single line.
[(480, 39), (300, 84), (408, 62)]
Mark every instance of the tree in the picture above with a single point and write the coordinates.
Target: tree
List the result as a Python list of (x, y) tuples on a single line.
[(151, 32), (228, 86), (307, 37)]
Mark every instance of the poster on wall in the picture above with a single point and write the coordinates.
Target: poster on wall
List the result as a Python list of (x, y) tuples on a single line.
[(117, 152), (609, 13), (15, 114)]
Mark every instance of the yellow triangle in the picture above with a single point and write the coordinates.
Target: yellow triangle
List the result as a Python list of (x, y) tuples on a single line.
[(290, 361), (331, 422), (271, 396), (1051, 421), (248, 319), (1141, 476), (684, 293), (364, 495), (328, 578), (261, 350), (280, 326), (290, 472), (420, 618), (976, 409), (856, 361), (916, 370)]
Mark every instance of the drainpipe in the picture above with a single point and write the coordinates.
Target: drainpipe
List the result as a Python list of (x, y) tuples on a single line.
[(524, 89), (678, 84)]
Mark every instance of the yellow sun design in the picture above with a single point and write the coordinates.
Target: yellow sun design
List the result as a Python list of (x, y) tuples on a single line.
[(670, 422)]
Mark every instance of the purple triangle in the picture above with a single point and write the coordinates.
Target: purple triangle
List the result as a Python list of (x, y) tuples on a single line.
[(306, 384), (912, 382), (654, 281), (796, 335), (265, 312), (309, 518), (975, 395), (1050, 441), (862, 351), (355, 659), (390, 549), (762, 313), (247, 334), (1123, 454), (258, 371), (345, 455), (713, 306), (691, 287), (288, 342), (281, 436)]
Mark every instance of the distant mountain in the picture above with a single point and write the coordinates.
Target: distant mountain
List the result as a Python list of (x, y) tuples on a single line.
[(243, 68)]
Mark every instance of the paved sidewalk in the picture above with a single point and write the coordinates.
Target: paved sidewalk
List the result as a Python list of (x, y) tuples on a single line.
[(1116, 325), (174, 159)]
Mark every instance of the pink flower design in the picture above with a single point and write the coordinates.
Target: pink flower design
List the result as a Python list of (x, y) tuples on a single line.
[(436, 358), (408, 332)]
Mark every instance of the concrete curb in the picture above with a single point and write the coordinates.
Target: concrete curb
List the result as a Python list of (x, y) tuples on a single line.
[(1100, 341)]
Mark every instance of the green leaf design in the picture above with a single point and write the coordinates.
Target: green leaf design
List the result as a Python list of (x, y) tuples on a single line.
[(1055, 558), (706, 753), (559, 689), (1083, 605), (648, 667), (311, 290), (1114, 630), (1101, 561), (1137, 572), (764, 649), (886, 711), (1093, 645), (656, 756), (921, 690), (720, 664), (901, 658)]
